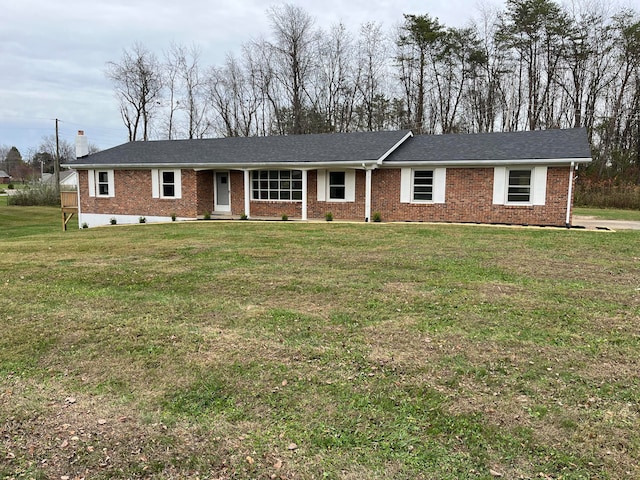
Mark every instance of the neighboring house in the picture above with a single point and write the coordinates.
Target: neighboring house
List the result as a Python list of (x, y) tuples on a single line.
[(521, 178), (4, 177), (68, 179)]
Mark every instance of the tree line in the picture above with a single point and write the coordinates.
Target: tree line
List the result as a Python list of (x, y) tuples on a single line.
[(535, 64)]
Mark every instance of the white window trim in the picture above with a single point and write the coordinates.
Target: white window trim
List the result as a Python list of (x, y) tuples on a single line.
[(156, 183), (538, 187), (302, 179), (94, 191), (324, 187), (439, 185)]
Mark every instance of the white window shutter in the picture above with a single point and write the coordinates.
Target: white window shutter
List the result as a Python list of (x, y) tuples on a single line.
[(439, 185), (177, 178), (112, 183), (155, 183), (499, 185), (539, 181), (322, 185), (92, 182), (405, 185), (350, 186)]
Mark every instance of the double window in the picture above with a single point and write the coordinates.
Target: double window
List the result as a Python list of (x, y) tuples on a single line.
[(276, 185)]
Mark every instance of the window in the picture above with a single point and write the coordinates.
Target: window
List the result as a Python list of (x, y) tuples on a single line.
[(166, 183), (168, 186), (522, 186), (519, 187), (276, 185), (337, 186), (103, 184), (423, 185), (420, 185)]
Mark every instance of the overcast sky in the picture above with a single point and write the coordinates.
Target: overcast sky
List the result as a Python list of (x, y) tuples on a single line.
[(53, 53)]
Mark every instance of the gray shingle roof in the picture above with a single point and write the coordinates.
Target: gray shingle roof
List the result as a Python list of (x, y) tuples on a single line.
[(502, 146), (347, 148), (332, 147)]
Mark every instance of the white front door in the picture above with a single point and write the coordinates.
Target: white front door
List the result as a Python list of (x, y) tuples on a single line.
[(221, 192)]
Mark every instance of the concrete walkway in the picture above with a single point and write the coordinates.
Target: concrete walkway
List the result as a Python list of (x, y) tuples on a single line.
[(593, 223)]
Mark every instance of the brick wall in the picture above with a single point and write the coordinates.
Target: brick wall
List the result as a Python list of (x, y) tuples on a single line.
[(133, 196), (469, 198)]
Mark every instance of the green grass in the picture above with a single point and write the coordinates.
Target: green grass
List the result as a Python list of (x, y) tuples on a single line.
[(608, 213), (317, 350)]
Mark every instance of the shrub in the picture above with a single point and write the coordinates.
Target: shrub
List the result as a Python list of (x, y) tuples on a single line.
[(11, 186), (244, 216), (376, 217), (85, 225), (142, 220), (328, 216), (207, 215), (113, 221), (35, 194), (285, 217), (173, 217), (606, 194)]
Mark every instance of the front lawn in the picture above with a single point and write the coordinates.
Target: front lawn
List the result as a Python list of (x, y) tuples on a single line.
[(317, 350)]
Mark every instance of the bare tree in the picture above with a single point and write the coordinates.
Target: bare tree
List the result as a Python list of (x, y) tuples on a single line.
[(292, 59), (137, 80)]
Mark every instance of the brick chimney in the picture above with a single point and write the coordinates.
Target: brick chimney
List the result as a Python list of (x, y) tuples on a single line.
[(82, 145)]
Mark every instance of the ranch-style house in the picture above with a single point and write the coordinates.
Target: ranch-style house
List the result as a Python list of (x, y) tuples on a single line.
[(523, 178)]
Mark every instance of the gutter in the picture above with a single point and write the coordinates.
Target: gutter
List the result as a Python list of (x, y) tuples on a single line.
[(569, 196), (226, 166), (489, 162)]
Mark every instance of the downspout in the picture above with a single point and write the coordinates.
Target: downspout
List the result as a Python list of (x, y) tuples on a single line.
[(570, 196), (247, 194)]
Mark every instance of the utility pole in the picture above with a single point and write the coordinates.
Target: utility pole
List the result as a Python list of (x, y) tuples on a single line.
[(56, 163)]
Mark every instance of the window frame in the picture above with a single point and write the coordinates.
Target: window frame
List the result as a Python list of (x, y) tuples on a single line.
[(509, 186), (100, 182), (277, 185), (431, 186), (339, 185), (158, 184), (438, 185), (164, 184)]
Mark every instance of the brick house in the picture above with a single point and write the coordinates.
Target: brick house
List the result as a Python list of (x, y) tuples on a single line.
[(521, 178)]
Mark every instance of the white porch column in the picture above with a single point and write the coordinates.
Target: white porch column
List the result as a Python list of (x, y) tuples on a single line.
[(247, 193), (304, 194), (367, 196)]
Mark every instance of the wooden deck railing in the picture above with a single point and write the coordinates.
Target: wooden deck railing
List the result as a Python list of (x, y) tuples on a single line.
[(69, 205)]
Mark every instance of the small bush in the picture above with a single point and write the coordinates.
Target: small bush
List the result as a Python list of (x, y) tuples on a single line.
[(244, 216), (207, 215), (36, 194), (328, 216), (142, 220), (11, 186), (376, 217), (285, 217), (113, 221), (85, 225), (173, 217)]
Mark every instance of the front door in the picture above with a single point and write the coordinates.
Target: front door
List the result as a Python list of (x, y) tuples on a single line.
[(221, 193)]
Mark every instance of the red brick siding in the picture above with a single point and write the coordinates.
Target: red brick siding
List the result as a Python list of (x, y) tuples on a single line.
[(133, 196), (469, 198)]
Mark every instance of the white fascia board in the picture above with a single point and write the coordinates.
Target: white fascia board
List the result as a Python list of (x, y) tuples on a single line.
[(488, 163), (392, 149), (359, 164)]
